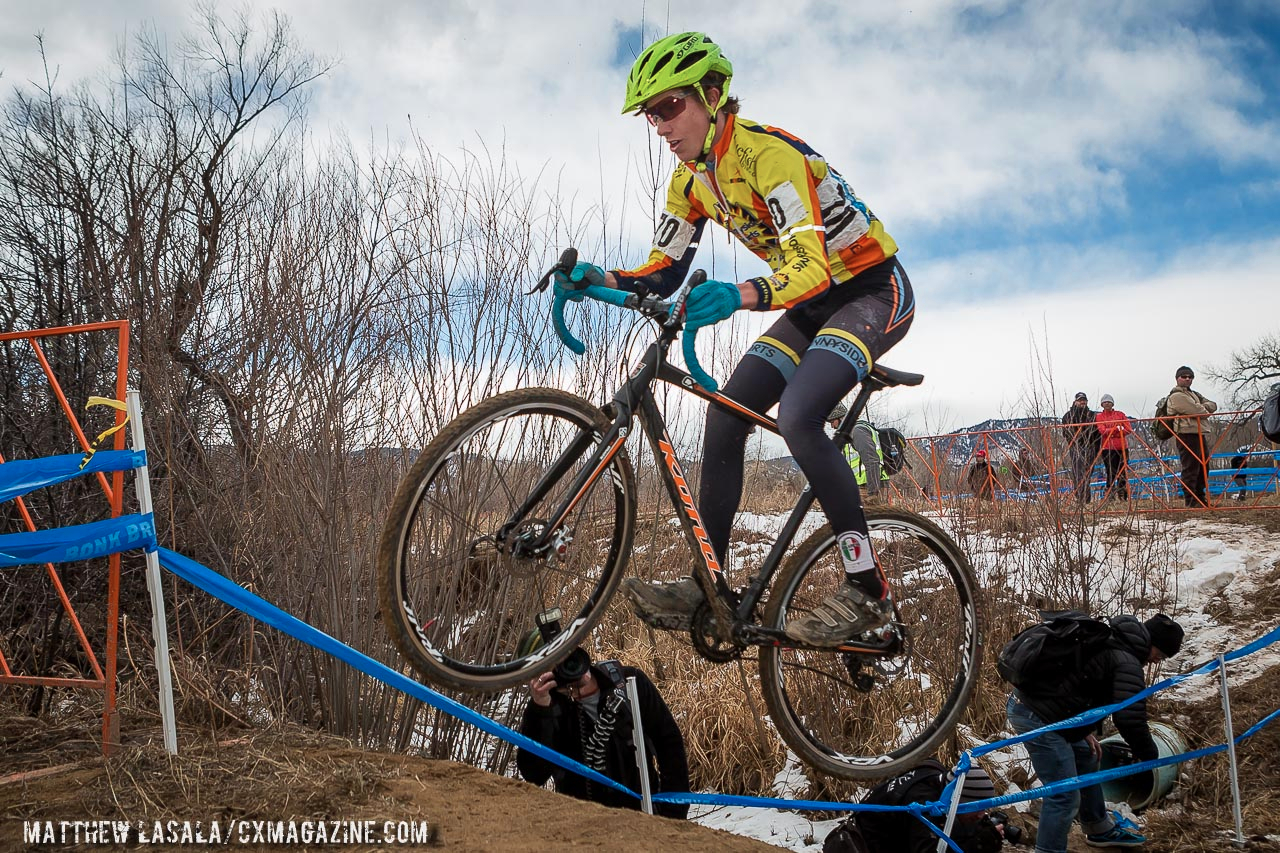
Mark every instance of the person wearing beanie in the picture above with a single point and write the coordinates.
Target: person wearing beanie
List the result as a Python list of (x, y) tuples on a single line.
[(1084, 444), (1166, 635), (899, 832), (1113, 674), (1188, 410), (1113, 427), (981, 477)]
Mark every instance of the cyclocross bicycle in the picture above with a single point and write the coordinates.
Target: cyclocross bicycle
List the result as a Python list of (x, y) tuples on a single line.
[(527, 502)]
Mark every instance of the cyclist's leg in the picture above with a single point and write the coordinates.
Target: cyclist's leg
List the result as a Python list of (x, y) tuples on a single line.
[(841, 355), (757, 382)]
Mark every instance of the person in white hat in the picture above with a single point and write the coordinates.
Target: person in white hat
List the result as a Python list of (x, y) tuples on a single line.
[(1114, 426)]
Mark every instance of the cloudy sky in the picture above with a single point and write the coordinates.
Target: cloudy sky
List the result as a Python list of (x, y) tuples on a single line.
[(1084, 191)]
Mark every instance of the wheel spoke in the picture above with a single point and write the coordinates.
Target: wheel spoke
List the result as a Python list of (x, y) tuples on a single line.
[(915, 695), (474, 596)]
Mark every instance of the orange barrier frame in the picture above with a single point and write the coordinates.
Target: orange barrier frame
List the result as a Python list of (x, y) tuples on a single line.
[(933, 475), (104, 674)]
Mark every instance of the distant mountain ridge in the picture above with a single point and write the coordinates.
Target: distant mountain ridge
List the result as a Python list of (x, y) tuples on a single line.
[(1010, 435)]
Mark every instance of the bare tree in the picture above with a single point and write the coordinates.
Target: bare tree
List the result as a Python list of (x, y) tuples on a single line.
[(1251, 372)]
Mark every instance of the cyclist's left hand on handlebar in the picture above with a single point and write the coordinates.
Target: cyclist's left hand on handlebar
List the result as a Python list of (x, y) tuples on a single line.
[(711, 302), (571, 286)]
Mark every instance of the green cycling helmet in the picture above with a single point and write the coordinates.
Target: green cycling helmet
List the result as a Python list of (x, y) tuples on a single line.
[(676, 62)]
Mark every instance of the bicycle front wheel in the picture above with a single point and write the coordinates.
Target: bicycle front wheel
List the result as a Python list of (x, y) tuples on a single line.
[(860, 716), (471, 553)]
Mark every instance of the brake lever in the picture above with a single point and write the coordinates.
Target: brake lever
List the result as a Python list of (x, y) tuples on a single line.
[(682, 295), (568, 260)]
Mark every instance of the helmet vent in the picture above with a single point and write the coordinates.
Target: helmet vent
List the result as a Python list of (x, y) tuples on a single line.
[(661, 64), (690, 60)]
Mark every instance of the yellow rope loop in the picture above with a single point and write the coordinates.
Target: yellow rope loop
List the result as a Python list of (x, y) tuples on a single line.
[(94, 445)]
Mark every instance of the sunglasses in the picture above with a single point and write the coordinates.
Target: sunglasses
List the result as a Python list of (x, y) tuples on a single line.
[(1186, 376), (666, 109)]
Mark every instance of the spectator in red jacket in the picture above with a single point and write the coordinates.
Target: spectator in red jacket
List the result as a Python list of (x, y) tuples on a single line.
[(1113, 425)]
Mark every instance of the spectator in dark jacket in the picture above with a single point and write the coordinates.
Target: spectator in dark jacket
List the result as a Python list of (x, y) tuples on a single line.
[(590, 721), (1112, 676), (1083, 444), (981, 477)]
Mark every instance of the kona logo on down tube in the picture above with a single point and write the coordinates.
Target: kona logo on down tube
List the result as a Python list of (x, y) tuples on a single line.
[(699, 533)]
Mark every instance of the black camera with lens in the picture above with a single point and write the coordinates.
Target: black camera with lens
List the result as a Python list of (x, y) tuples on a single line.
[(572, 668), (1012, 832)]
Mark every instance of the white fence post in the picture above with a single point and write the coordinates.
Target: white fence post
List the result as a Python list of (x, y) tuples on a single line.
[(951, 813), (159, 625), (642, 757), (1231, 751)]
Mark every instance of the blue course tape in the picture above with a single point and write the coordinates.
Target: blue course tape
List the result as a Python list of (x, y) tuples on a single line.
[(21, 476), (79, 541), (241, 599), (134, 531), (1095, 714)]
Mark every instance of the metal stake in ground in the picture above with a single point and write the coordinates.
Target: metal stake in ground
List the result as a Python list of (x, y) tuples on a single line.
[(642, 758), (1231, 751), (159, 625)]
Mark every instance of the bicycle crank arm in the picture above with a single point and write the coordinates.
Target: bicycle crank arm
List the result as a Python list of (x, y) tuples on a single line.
[(760, 636)]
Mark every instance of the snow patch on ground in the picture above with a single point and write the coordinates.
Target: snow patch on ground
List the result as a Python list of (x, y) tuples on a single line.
[(1216, 563)]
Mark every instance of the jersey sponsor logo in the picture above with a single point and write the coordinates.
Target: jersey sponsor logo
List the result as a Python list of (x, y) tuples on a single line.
[(785, 207), (674, 236)]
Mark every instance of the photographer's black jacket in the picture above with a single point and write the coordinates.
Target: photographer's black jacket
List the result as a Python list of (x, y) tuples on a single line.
[(559, 727), (899, 832), (1111, 676)]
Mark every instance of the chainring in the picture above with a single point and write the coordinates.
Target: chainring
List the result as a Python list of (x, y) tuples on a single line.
[(706, 640)]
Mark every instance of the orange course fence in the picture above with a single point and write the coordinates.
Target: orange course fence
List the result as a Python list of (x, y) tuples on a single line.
[(1052, 461), (103, 677)]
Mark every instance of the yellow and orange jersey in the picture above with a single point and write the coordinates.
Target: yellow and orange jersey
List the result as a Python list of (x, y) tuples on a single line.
[(782, 200)]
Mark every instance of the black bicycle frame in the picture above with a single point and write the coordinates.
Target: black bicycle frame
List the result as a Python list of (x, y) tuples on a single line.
[(635, 400)]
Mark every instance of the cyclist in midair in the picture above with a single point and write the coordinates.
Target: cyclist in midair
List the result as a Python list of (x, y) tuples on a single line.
[(845, 301)]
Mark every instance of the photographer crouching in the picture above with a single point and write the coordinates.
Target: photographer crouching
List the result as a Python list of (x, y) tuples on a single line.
[(580, 709), (900, 832)]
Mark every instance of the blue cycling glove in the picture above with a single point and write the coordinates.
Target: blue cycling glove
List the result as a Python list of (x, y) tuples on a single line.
[(711, 302), (573, 284)]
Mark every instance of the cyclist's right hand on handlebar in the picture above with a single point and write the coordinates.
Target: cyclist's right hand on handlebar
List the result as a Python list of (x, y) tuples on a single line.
[(572, 285), (711, 302)]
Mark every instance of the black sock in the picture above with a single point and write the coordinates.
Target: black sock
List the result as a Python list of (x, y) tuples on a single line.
[(869, 582)]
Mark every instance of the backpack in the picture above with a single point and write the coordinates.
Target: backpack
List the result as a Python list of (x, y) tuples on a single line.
[(1041, 657), (1160, 426), (1269, 420), (845, 838), (884, 831), (893, 449), (887, 832)]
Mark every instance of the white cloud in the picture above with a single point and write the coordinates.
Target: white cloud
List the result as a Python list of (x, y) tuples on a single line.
[(1124, 335), (1001, 118)]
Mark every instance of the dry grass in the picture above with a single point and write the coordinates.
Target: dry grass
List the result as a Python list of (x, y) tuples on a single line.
[(289, 773), (228, 769)]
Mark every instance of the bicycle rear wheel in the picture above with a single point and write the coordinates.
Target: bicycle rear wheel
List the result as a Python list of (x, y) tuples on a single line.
[(860, 716), (459, 581)]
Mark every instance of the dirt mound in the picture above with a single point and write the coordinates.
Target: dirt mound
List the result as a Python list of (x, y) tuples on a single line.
[(292, 775)]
